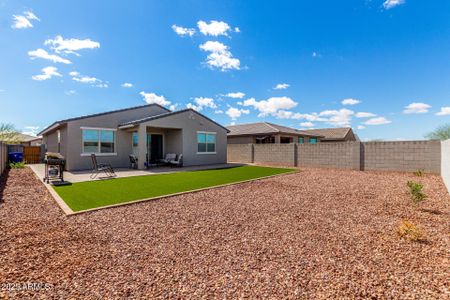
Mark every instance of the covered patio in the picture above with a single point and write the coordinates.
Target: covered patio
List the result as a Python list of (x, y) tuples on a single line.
[(82, 176)]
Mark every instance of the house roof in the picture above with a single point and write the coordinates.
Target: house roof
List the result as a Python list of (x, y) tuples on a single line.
[(27, 138), (331, 133), (59, 123), (165, 115), (265, 128)]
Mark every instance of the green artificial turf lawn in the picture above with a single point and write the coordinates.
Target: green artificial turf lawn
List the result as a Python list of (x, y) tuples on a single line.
[(85, 195)]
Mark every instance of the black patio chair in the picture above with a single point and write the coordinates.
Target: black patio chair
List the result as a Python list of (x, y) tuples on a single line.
[(133, 161), (99, 168), (177, 162)]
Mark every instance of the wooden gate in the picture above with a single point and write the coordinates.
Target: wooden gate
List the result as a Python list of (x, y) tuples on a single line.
[(32, 154)]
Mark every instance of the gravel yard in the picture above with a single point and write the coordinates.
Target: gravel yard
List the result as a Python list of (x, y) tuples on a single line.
[(312, 235)]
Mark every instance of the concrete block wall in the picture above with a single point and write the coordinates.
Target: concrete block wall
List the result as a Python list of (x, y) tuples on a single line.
[(276, 154), (240, 153), (3, 157), (407, 156), (341, 155)]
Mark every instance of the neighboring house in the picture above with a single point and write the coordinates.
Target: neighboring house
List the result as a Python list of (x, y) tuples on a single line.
[(29, 140), (344, 134), (148, 131), (269, 133)]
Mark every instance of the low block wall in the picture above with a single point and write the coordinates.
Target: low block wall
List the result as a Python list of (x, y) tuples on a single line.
[(445, 162), (330, 155), (240, 153), (407, 156), (276, 154)]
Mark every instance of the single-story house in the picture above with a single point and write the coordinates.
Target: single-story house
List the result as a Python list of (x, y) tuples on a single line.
[(29, 140), (343, 134), (269, 133), (148, 131)]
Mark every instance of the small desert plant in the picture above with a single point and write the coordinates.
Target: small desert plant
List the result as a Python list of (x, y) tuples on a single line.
[(410, 231), (419, 173), (17, 165), (417, 195)]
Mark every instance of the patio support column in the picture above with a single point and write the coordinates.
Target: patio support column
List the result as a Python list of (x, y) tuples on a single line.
[(142, 146)]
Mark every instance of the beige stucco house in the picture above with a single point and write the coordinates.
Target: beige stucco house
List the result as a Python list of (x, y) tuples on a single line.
[(148, 131), (269, 133)]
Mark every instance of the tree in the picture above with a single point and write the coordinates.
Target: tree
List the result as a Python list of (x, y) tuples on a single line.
[(8, 133), (440, 133)]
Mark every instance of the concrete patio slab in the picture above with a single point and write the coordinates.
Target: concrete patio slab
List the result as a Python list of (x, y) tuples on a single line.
[(81, 176)]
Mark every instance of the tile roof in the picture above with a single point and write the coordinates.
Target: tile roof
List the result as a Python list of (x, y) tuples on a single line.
[(331, 133), (265, 128)]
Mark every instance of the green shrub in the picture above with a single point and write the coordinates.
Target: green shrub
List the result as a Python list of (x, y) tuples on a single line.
[(417, 195), (419, 173), (17, 165)]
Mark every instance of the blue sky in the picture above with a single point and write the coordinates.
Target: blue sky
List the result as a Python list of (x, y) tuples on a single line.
[(382, 67)]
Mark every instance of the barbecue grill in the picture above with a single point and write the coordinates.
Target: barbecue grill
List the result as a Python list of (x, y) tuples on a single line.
[(54, 168)]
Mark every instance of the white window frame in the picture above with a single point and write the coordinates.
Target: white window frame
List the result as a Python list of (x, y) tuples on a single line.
[(215, 141), (98, 153)]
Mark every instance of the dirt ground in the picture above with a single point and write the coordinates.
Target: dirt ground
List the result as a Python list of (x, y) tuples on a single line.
[(317, 234)]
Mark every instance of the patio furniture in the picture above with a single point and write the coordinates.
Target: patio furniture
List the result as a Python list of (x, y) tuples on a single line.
[(177, 162), (99, 168), (133, 161), (169, 157)]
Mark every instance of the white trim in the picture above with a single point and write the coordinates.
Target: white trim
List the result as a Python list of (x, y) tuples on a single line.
[(201, 153), (208, 132), (98, 154), (97, 128)]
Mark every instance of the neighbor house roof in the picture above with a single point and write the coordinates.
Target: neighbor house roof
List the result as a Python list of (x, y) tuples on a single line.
[(165, 115), (331, 133), (265, 128), (61, 122), (27, 138)]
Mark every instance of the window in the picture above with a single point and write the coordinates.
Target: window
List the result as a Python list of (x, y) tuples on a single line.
[(313, 140), (285, 140), (135, 139), (301, 140), (206, 142), (99, 140)]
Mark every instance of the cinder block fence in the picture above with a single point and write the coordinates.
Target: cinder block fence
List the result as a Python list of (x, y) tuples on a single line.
[(404, 156)]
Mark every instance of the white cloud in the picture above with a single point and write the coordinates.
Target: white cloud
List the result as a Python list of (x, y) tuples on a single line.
[(70, 92), (205, 102), (340, 117), (350, 101), (41, 53), (126, 85), (281, 86), (194, 107), (316, 55), (151, 98), (377, 121), (214, 28), (271, 106), (59, 44), (416, 108), (47, 73), (236, 95), (365, 115), (445, 111), (220, 56), (173, 107), (235, 113), (237, 29), (361, 127), (307, 124), (182, 31), (388, 4), (93, 81), (21, 22), (30, 130), (218, 111)]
